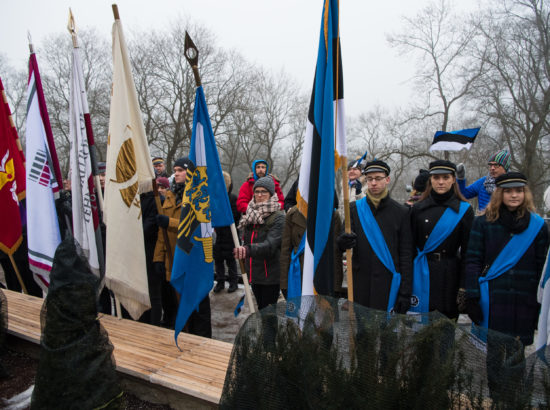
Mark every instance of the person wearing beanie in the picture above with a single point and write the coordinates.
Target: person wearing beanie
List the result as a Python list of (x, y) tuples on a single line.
[(262, 229), (260, 169), (382, 245), (159, 166), (419, 186), (498, 163), (355, 181), (101, 170), (441, 222), (504, 263), (223, 248), (199, 322)]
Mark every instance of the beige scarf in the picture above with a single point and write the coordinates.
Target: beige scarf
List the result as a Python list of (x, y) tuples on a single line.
[(256, 213), (376, 199)]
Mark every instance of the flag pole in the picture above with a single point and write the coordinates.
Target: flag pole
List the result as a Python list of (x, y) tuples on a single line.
[(19, 278), (345, 182), (192, 57), (71, 26)]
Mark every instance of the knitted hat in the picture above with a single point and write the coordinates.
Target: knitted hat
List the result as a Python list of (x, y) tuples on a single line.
[(101, 167), (185, 163), (511, 180), (502, 158), (163, 182), (267, 183), (377, 166), (157, 160), (442, 166), (421, 180)]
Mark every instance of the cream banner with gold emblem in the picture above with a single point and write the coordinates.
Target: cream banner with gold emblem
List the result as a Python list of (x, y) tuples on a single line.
[(129, 173)]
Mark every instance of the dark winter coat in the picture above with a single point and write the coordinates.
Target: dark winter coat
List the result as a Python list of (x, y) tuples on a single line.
[(223, 248), (265, 247), (448, 261), (150, 227), (513, 307), (295, 226), (371, 279)]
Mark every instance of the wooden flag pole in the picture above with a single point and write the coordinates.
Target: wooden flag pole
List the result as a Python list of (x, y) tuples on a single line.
[(192, 57), (19, 278), (247, 291), (345, 184)]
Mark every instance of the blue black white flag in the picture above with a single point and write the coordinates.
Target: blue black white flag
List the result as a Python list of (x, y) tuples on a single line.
[(454, 140), (205, 205), (324, 146)]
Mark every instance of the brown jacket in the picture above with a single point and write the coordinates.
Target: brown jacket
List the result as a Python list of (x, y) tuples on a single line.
[(173, 211), (295, 226)]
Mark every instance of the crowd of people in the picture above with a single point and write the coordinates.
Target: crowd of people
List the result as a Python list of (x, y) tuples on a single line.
[(428, 254)]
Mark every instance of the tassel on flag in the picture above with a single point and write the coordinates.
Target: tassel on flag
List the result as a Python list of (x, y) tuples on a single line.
[(454, 140), (321, 146), (12, 180), (129, 173), (43, 177)]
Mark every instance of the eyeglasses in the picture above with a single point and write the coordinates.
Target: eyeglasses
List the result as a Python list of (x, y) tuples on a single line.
[(377, 179), (493, 165), (261, 192)]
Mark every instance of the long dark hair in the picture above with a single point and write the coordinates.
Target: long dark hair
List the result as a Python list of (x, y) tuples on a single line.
[(428, 190)]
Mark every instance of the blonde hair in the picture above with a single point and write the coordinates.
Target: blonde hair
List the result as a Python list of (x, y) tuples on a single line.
[(492, 212)]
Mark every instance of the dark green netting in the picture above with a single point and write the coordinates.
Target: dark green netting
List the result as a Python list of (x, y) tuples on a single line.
[(76, 368), (321, 353)]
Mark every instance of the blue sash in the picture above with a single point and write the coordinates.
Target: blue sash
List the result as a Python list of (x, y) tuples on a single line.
[(506, 260), (379, 246), (421, 272), (294, 276)]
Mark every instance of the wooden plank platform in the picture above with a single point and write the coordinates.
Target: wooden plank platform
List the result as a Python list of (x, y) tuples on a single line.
[(145, 352)]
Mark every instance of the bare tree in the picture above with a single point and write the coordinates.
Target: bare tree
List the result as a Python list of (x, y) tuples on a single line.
[(515, 92), (446, 73)]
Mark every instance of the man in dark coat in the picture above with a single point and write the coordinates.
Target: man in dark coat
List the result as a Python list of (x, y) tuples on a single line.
[(223, 248), (371, 279)]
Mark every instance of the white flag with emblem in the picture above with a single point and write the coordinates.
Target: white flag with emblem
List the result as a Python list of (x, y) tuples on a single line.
[(129, 173)]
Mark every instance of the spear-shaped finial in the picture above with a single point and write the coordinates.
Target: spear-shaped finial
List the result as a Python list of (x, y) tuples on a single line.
[(71, 26), (192, 56), (31, 48)]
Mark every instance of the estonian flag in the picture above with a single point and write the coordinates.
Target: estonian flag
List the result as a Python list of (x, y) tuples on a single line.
[(205, 205), (322, 152), (454, 140)]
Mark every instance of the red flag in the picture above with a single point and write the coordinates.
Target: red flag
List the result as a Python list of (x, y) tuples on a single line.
[(12, 179)]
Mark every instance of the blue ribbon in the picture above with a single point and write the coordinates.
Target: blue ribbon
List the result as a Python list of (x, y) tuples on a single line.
[(421, 276), (294, 276), (379, 246), (506, 260)]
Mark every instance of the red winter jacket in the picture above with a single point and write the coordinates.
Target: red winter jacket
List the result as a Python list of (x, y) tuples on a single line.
[(247, 192)]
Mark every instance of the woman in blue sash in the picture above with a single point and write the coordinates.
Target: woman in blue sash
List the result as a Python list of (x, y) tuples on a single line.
[(504, 261), (441, 223)]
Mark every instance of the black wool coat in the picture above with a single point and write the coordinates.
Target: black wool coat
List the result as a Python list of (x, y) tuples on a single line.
[(513, 307), (448, 261), (223, 248), (371, 279)]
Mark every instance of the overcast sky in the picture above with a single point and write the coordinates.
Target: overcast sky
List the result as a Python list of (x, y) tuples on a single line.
[(273, 33)]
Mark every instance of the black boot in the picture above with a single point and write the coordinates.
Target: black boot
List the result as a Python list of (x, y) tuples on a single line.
[(219, 286), (232, 287)]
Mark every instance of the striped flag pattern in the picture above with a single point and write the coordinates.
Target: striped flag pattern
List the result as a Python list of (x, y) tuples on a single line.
[(85, 216), (324, 146), (43, 177)]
